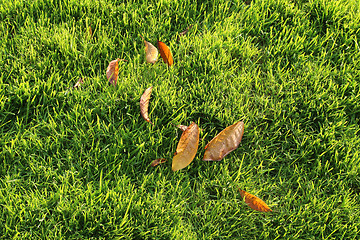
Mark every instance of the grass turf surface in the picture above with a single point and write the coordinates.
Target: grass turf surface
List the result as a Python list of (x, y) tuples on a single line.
[(74, 164)]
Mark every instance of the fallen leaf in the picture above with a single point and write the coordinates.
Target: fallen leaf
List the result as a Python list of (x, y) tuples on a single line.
[(254, 202), (150, 51), (79, 83), (144, 104), (184, 32), (158, 161), (165, 53), (247, 2), (112, 71), (186, 148), (224, 143), (90, 32)]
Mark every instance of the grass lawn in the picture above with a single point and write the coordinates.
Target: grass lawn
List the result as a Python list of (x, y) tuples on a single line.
[(75, 163)]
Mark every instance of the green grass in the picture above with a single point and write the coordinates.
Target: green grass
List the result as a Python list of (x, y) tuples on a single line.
[(74, 164)]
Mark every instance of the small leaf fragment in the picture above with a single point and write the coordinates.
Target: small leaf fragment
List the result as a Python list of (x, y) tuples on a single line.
[(144, 104), (78, 83), (186, 148), (150, 51), (254, 202), (184, 32), (112, 71), (165, 53), (224, 143), (90, 32), (158, 161), (182, 127)]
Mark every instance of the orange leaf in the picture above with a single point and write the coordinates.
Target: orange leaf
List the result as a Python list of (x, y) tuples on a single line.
[(186, 148), (112, 71), (165, 53), (158, 161), (150, 51), (144, 104), (224, 143), (254, 202)]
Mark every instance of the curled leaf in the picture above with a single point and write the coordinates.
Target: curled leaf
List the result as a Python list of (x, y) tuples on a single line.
[(254, 202), (165, 53), (224, 143), (144, 104), (78, 83), (112, 71), (158, 161), (186, 148), (150, 51)]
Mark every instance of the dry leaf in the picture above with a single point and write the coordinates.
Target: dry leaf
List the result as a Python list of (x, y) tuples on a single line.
[(144, 104), (254, 202), (78, 83), (186, 148), (165, 53), (184, 32), (90, 32), (158, 161), (112, 71), (225, 142), (150, 51)]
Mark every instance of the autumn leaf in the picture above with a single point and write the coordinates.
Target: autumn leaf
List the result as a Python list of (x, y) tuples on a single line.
[(150, 51), (186, 148), (112, 71), (90, 32), (165, 53), (78, 83), (254, 202), (225, 142), (184, 32), (144, 104), (158, 161)]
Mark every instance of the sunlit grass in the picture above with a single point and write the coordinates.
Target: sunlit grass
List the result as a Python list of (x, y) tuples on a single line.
[(75, 164)]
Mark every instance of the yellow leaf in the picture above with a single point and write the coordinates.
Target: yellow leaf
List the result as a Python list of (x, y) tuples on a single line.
[(150, 51), (186, 148), (224, 143)]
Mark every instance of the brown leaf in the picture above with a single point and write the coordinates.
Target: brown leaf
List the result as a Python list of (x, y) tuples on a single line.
[(112, 71), (184, 32), (150, 51), (144, 104), (79, 83), (186, 148), (90, 32), (224, 143), (158, 161), (254, 202), (165, 53), (247, 2)]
